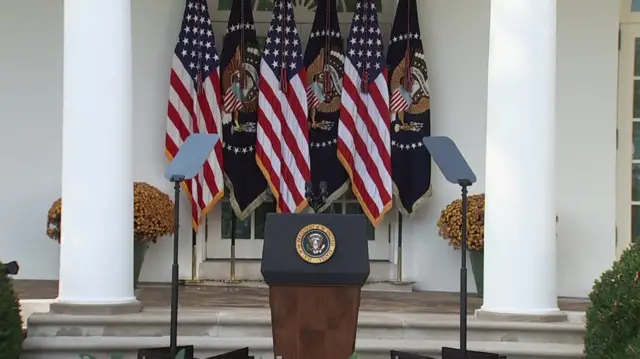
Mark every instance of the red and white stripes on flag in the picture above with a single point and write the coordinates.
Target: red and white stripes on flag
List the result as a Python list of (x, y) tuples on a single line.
[(231, 102), (312, 99), (364, 141), (194, 105), (282, 149), (399, 102)]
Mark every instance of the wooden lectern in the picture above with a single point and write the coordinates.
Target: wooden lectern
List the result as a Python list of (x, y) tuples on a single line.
[(315, 265)]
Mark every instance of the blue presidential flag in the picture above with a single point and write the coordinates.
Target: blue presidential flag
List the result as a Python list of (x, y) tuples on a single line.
[(324, 61), (410, 110), (239, 64)]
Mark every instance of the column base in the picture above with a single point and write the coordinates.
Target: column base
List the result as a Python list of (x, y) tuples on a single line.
[(96, 309), (551, 317)]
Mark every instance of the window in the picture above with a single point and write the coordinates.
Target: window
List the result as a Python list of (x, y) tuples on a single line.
[(635, 5), (249, 228), (348, 204), (253, 227), (635, 160)]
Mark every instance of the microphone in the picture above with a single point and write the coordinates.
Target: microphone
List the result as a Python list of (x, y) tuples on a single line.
[(323, 190), (308, 189)]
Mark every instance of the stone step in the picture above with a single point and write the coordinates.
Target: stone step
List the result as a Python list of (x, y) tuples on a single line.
[(71, 347), (256, 323)]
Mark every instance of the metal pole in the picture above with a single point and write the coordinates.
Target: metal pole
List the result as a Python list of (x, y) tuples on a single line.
[(399, 265), (173, 330), (194, 257), (463, 275), (232, 267)]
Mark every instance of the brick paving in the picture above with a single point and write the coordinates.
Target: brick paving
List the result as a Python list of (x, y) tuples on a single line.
[(206, 296)]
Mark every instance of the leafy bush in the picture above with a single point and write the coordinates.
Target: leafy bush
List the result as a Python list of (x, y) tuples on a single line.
[(633, 349), (11, 335), (613, 319)]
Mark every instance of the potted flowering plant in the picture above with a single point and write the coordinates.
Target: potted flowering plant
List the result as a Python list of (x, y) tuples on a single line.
[(450, 228), (152, 218)]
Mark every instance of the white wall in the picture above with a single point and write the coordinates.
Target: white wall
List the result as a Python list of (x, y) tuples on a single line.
[(30, 132), (455, 35), (587, 87)]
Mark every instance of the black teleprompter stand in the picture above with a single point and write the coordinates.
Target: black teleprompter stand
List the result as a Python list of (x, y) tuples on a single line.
[(455, 169), (175, 267), (185, 166)]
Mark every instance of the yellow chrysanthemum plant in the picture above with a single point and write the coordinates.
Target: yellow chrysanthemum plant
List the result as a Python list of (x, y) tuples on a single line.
[(450, 228), (153, 212), (450, 223)]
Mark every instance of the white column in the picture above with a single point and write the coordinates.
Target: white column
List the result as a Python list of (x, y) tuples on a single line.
[(96, 255), (520, 243)]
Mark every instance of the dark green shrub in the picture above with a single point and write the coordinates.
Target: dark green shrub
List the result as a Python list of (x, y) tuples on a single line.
[(11, 335), (633, 349), (613, 319)]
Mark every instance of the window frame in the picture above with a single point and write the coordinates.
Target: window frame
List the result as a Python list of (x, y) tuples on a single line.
[(625, 151), (626, 15)]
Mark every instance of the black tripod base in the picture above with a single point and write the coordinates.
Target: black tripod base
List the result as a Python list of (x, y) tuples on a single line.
[(405, 355), (236, 354), (452, 353), (164, 353)]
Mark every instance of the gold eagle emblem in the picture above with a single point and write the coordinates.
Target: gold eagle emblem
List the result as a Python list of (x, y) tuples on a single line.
[(234, 72), (419, 90), (243, 73), (325, 76)]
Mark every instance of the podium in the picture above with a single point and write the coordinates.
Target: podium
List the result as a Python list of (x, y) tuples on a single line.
[(315, 266)]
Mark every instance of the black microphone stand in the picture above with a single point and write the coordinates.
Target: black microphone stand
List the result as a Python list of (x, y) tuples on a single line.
[(316, 202), (464, 184)]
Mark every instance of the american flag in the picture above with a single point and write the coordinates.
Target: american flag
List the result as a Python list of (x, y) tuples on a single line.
[(282, 150), (364, 143), (194, 104)]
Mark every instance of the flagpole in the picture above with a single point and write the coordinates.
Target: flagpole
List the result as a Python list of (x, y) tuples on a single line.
[(232, 264), (399, 265)]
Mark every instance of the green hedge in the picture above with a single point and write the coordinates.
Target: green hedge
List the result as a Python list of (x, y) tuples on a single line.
[(613, 319), (633, 349), (11, 335)]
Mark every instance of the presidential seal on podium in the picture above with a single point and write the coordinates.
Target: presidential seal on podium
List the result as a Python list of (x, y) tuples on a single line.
[(315, 243)]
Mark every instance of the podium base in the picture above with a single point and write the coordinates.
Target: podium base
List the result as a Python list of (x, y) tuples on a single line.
[(314, 322)]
